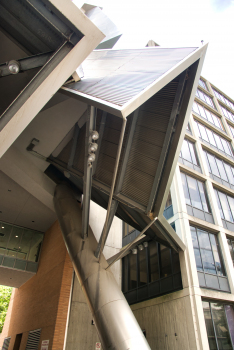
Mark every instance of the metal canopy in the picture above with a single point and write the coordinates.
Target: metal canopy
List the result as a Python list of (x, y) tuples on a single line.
[(119, 81), (153, 136)]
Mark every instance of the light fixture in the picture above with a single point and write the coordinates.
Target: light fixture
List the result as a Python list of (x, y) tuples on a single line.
[(134, 251), (14, 67), (93, 147), (2, 226), (91, 157), (145, 244), (140, 247), (17, 236), (94, 135)]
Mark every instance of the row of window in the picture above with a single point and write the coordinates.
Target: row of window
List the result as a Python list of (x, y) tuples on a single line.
[(214, 139), (206, 114), (227, 113), (223, 99), (205, 98)]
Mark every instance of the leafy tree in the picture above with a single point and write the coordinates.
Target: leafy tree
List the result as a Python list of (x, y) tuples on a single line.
[(5, 295)]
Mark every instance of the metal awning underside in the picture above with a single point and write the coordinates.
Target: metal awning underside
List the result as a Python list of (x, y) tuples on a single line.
[(119, 81)]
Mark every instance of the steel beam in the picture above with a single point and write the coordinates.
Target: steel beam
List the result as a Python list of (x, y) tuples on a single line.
[(167, 141), (113, 208), (130, 245), (99, 141), (90, 126), (105, 230), (27, 63), (74, 145), (127, 152)]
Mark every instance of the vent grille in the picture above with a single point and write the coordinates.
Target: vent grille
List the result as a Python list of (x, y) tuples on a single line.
[(6, 343), (33, 340)]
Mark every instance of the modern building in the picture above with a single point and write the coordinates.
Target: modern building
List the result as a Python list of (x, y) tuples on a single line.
[(178, 276)]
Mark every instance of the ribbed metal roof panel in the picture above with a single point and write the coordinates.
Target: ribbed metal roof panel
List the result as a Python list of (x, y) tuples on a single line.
[(117, 76)]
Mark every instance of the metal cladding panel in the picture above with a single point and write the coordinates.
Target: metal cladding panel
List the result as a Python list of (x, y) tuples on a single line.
[(117, 76)]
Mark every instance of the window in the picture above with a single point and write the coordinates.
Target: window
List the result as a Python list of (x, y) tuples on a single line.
[(227, 113), (168, 211), (219, 319), (33, 340), (232, 130), (219, 170), (196, 198), (188, 155), (210, 268), (231, 248), (6, 343), (19, 247), (226, 209), (206, 98), (214, 139), (153, 270), (223, 99), (127, 229), (202, 83), (206, 114)]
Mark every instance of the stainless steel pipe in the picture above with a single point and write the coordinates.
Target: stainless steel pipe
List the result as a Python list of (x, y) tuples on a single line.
[(114, 320)]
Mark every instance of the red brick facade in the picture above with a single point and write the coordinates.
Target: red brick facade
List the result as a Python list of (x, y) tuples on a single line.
[(42, 302)]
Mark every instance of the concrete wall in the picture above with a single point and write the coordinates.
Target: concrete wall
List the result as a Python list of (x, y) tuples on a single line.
[(42, 302)]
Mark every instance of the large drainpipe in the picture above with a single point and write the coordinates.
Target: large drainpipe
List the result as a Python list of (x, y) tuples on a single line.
[(114, 320)]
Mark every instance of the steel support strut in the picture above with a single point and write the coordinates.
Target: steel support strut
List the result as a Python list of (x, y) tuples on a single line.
[(90, 126), (113, 317)]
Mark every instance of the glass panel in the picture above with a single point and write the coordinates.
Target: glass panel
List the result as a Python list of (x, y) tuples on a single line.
[(209, 326), (185, 151), (198, 259), (219, 144), (153, 257), (35, 246), (203, 133), (185, 187), (213, 165), (25, 244), (196, 126), (225, 207), (221, 328), (221, 169), (230, 320), (226, 146), (175, 261), (14, 245), (202, 112), (216, 253), (230, 245), (231, 203), (165, 260), (169, 201), (229, 173), (142, 267), (192, 150), (219, 204), (211, 137), (195, 108), (194, 237), (132, 271), (203, 197), (207, 162), (194, 192), (208, 261), (203, 238), (5, 232)]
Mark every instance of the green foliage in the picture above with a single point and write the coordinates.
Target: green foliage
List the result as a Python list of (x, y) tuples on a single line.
[(5, 295)]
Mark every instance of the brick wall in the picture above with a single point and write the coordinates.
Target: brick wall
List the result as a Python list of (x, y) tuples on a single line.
[(42, 302)]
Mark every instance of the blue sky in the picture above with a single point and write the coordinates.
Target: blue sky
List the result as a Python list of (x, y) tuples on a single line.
[(180, 23)]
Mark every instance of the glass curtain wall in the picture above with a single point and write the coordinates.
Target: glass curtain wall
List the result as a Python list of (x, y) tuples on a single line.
[(221, 171), (219, 319), (227, 113), (206, 114), (231, 247), (223, 99), (205, 98), (210, 267), (188, 155), (202, 83), (226, 205), (214, 139)]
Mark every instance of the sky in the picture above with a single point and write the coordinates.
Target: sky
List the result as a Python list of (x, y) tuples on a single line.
[(178, 23)]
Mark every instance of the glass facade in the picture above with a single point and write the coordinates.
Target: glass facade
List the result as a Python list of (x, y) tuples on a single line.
[(226, 208), (227, 113), (211, 272), (206, 114), (219, 319), (232, 129), (154, 270), (231, 247), (219, 170), (223, 99), (202, 83), (205, 98), (188, 155), (214, 139), (19, 247)]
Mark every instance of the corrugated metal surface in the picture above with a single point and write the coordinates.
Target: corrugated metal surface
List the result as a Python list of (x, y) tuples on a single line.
[(147, 144), (116, 76)]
